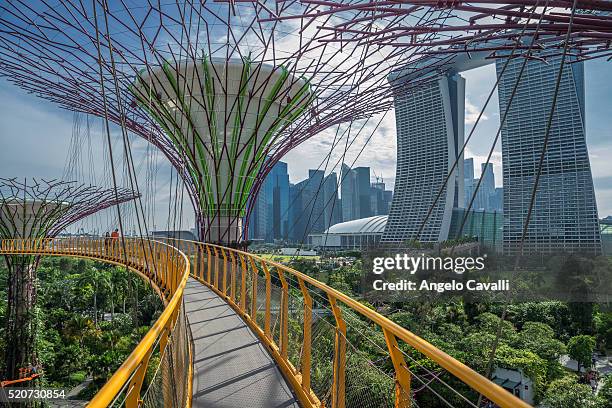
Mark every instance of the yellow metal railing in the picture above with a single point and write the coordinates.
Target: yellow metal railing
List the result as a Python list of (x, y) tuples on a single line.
[(278, 303), (309, 328), (167, 270)]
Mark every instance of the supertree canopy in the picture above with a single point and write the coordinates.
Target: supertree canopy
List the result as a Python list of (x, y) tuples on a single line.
[(38, 208), (426, 37), (221, 92), (425, 27), (31, 209), (227, 143)]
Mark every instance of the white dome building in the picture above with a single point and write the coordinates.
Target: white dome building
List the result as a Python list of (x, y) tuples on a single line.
[(356, 234)]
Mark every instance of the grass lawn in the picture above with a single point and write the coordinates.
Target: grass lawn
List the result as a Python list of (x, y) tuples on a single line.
[(287, 258)]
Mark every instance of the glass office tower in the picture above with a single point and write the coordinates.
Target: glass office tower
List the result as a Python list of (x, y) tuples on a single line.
[(564, 216), (270, 216), (355, 193)]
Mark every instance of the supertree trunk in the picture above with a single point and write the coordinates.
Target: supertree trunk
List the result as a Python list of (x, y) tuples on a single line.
[(20, 335)]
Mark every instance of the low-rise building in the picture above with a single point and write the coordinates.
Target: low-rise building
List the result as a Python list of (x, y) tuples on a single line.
[(516, 382), (356, 234)]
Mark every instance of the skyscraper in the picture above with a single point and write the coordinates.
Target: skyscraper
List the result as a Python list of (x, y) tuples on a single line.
[(270, 217), (488, 179), (280, 200), (332, 213), (498, 199), (485, 195), (355, 186), (347, 193), (314, 205), (468, 181), (564, 215), (380, 199), (430, 130)]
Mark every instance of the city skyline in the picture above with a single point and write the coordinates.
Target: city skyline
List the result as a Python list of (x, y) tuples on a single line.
[(291, 211), (29, 117)]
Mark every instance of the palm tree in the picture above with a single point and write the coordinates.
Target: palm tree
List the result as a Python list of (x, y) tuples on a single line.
[(97, 279), (78, 327)]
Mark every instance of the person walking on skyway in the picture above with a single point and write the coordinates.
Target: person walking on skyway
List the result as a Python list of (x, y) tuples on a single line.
[(115, 238), (107, 241)]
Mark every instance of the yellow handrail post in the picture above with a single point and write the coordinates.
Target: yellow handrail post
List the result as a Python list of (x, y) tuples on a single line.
[(306, 343), (284, 314), (253, 289), (233, 277), (224, 281), (163, 343), (208, 265), (402, 375), (132, 399), (339, 381), (192, 255), (155, 261), (216, 284), (243, 294), (171, 270), (163, 269), (201, 255), (267, 330)]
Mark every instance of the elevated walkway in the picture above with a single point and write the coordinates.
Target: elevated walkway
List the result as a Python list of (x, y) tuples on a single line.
[(231, 367), (234, 321)]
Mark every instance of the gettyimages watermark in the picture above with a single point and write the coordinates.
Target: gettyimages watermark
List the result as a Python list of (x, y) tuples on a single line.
[(410, 264), (419, 275), (413, 264)]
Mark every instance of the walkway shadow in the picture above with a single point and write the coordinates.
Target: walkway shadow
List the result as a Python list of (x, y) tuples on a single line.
[(232, 368)]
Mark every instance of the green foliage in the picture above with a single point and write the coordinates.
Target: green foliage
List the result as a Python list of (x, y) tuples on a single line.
[(304, 265), (413, 243), (85, 327), (581, 348), (77, 377), (477, 347), (567, 393), (603, 327), (458, 241), (540, 338), (528, 362), (553, 313), (490, 323), (605, 392), (347, 279)]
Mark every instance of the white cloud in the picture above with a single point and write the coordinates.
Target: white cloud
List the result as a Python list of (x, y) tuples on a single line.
[(472, 112), (379, 152)]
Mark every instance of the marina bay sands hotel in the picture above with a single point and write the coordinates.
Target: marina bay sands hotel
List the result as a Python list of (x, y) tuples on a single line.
[(430, 135)]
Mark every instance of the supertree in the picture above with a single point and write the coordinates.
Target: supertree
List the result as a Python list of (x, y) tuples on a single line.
[(426, 27), (220, 91), (36, 209), (425, 38)]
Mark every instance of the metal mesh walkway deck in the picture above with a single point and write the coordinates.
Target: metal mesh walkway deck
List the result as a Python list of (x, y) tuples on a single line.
[(232, 368)]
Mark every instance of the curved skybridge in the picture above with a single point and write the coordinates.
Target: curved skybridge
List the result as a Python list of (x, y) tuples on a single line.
[(242, 331)]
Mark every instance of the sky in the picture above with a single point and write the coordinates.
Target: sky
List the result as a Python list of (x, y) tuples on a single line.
[(35, 140), (380, 152)]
